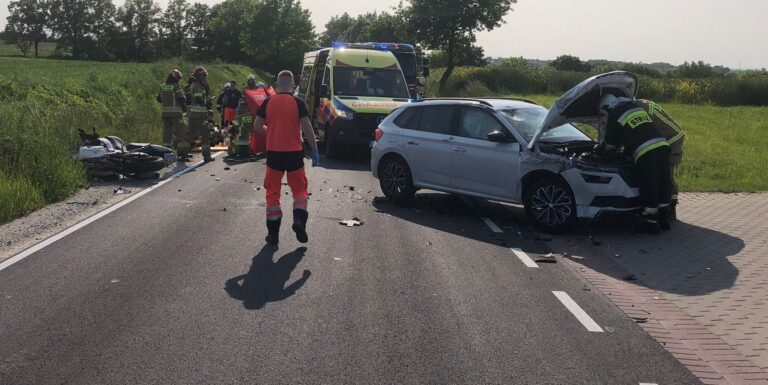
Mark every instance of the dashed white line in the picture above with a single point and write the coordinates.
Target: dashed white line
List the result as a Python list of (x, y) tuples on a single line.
[(26, 253), (492, 226), (578, 312), (523, 256)]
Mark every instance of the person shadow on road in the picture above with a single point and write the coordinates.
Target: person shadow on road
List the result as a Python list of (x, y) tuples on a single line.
[(265, 281)]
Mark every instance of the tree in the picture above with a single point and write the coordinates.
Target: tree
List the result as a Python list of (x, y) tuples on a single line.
[(472, 56), (72, 23), (138, 18), (570, 63), (104, 30), (449, 24), (175, 27), (197, 17), (27, 23), (337, 29), (228, 21), (265, 40), (695, 70)]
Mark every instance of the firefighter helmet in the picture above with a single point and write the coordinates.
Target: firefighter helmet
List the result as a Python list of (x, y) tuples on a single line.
[(176, 74), (200, 73)]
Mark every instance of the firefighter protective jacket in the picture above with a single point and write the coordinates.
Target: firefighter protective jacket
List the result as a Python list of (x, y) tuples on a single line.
[(666, 125), (172, 99), (630, 126)]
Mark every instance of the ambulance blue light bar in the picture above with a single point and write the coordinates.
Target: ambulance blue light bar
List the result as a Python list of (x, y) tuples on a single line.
[(378, 46)]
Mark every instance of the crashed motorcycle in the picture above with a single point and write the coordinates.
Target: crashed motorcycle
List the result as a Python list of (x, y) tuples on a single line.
[(112, 157)]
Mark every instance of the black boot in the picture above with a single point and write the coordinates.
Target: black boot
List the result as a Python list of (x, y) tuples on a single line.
[(300, 225), (273, 232), (673, 212), (650, 224), (664, 214)]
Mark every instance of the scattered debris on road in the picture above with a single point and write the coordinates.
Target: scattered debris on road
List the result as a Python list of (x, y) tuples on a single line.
[(548, 258), (639, 320), (351, 222), (121, 190), (630, 278), (226, 168), (380, 200)]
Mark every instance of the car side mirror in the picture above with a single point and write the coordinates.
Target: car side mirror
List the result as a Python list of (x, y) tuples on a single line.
[(425, 71), (499, 137)]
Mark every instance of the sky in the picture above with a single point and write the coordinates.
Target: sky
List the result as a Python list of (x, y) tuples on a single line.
[(728, 33)]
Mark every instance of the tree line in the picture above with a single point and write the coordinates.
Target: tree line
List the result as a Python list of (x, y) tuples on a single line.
[(267, 34)]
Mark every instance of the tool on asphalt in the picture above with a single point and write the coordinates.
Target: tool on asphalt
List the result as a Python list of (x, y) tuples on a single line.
[(286, 117), (629, 126)]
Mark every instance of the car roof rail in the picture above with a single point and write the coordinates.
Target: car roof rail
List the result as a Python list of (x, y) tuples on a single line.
[(514, 98), (457, 99)]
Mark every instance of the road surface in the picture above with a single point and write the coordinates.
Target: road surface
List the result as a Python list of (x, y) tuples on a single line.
[(177, 287)]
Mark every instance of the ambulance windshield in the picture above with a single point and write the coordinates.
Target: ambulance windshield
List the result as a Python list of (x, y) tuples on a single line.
[(379, 82)]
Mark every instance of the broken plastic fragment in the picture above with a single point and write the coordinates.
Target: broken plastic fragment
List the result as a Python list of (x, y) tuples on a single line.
[(549, 258), (226, 168), (630, 277), (351, 222)]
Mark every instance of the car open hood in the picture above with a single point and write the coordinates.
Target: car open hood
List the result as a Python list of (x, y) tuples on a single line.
[(580, 103)]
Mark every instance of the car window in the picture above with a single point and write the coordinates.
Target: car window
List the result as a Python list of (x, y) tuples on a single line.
[(477, 124), (408, 118), (436, 119)]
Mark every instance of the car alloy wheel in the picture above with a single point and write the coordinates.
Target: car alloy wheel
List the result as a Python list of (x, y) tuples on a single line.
[(551, 205), (394, 179)]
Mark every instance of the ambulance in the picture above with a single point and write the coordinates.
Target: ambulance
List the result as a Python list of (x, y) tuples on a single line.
[(349, 91)]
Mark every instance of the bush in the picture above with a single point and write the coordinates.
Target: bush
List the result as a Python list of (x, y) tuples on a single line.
[(517, 76)]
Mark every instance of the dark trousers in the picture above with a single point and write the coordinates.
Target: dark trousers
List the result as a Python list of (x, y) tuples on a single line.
[(655, 179)]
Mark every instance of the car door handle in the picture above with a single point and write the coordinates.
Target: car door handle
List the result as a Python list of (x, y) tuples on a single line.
[(459, 149), (413, 143)]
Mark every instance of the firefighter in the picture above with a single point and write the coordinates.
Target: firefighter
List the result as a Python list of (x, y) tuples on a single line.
[(287, 118), (629, 126), (173, 101), (241, 132), (220, 103), (199, 110), (250, 82), (675, 137), (231, 102)]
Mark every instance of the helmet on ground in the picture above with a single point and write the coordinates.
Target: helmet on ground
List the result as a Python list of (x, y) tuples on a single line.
[(176, 74), (200, 73)]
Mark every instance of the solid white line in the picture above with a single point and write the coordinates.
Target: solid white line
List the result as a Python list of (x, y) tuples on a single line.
[(26, 253), (648, 383), (492, 226), (523, 256), (578, 312)]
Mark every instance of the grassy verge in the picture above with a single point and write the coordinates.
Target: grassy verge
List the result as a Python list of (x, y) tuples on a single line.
[(724, 147), (45, 50), (44, 102)]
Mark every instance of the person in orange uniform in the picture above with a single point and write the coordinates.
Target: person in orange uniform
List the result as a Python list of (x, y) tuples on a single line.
[(287, 118)]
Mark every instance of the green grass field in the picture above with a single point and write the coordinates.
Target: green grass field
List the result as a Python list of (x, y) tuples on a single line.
[(725, 147), (45, 50), (43, 103)]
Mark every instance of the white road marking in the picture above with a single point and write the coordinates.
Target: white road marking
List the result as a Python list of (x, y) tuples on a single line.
[(523, 256), (648, 383), (492, 226), (26, 253), (578, 312)]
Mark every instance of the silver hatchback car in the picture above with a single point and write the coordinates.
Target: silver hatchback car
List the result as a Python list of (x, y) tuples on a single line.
[(507, 150)]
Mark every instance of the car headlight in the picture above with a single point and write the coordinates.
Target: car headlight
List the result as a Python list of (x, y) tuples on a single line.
[(345, 114), (597, 179)]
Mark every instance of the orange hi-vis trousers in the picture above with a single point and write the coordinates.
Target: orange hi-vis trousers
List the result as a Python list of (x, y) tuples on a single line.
[(297, 181)]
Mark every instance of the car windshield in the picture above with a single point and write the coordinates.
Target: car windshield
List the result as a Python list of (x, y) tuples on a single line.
[(381, 82), (527, 120)]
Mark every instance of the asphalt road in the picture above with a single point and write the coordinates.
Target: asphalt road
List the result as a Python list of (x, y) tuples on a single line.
[(177, 287)]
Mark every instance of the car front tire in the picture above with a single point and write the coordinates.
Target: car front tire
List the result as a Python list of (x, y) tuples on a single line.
[(395, 180), (550, 205)]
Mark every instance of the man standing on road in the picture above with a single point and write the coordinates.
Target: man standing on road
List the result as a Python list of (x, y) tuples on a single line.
[(287, 118), (173, 101), (675, 137), (198, 96), (630, 126)]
